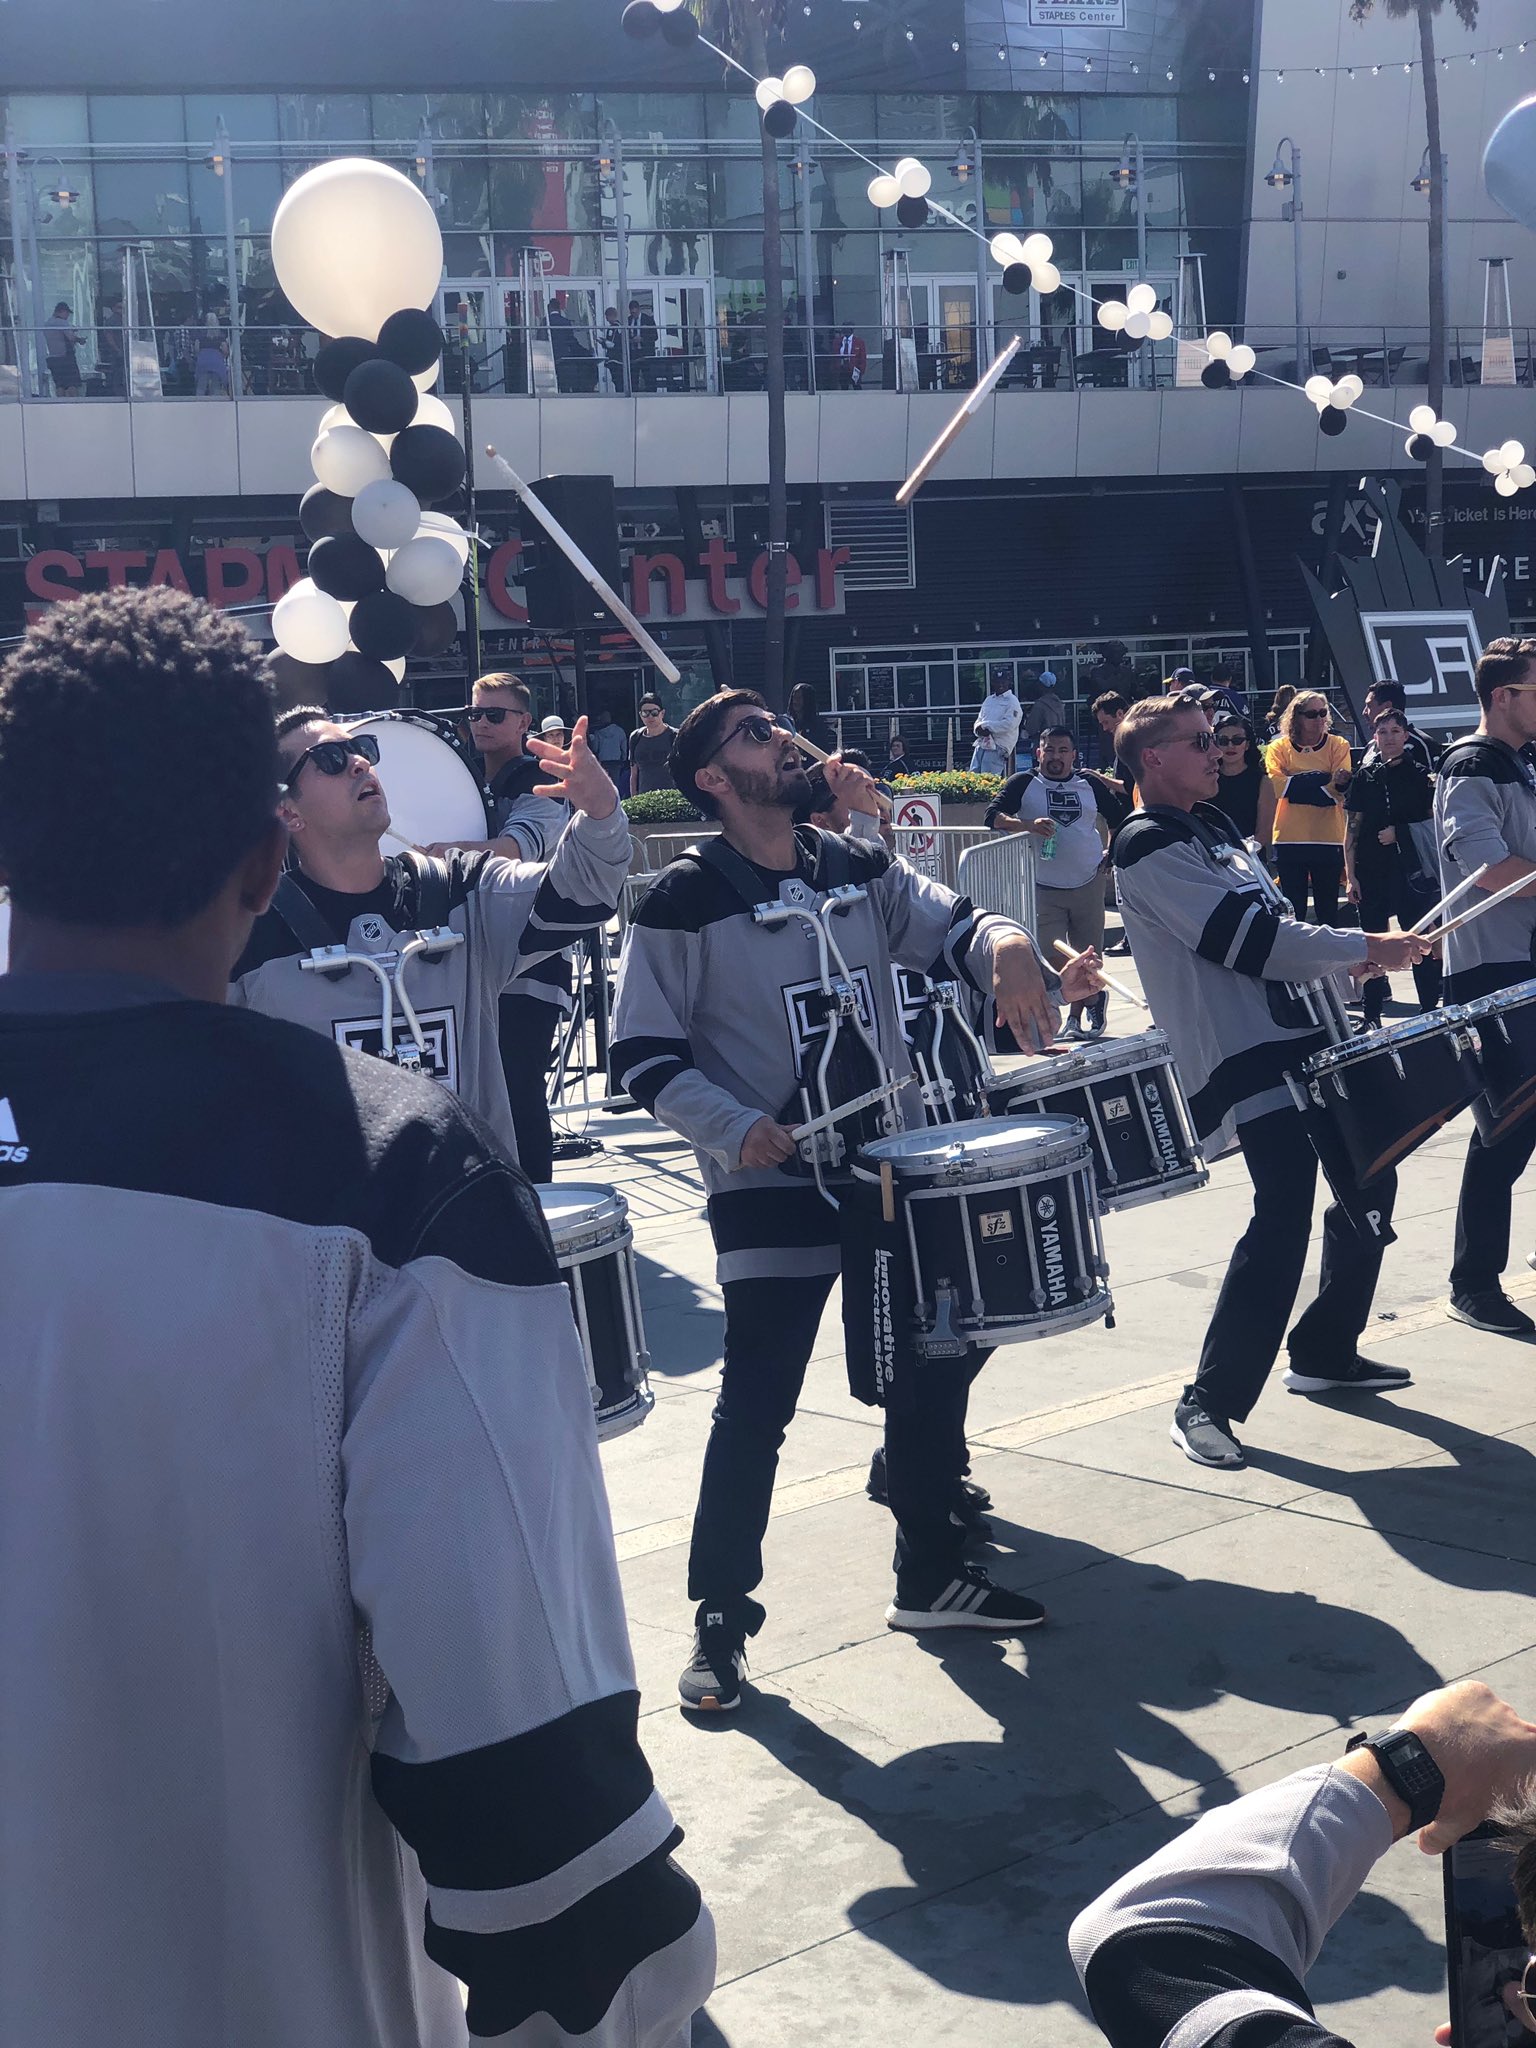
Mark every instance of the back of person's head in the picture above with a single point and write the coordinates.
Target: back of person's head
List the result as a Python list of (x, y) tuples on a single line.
[(699, 735), (1222, 676), (1281, 698), (504, 684), (1148, 724), (147, 701), (859, 759), (1389, 693), (1047, 679), (1504, 662)]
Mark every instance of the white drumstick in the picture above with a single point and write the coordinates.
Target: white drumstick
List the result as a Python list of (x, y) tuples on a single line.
[(584, 568), (1487, 904), (1445, 902), (1119, 987), (833, 1117), (958, 424)]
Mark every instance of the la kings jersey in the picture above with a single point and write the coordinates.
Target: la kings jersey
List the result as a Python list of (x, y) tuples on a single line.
[(529, 828), (512, 916), (1485, 812), (712, 1017), (287, 1359)]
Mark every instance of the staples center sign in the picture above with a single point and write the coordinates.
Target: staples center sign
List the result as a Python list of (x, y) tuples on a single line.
[(718, 584)]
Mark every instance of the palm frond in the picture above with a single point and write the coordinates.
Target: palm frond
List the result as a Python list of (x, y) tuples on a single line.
[(1399, 10)]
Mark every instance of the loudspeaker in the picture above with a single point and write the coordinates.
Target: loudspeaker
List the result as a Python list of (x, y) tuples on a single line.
[(556, 595)]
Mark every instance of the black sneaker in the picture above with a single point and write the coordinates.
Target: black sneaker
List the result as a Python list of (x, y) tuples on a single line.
[(1494, 1312), (968, 1601), (971, 1501), (1360, 1376), (711, 1681), (1205, 1438), (1096, 1015)]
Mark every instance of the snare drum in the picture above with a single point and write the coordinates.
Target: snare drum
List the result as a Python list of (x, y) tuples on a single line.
[(1384, 1092), (594, 1247), (432, 792), (1127, 1091), (1505, 1024), (1002, 1227)]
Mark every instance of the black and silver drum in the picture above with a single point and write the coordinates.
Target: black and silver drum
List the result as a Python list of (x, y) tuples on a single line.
[(1002, 1228), (1127, 1091), (953, 1071), (1384, 1092), (594, 1248), (1505, 1024)]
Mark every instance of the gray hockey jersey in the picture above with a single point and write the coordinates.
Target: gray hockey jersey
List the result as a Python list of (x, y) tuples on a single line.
[(529, 828), (1215, 958), (511, 915), (711, 1021), (1485, 812), (314, 1647)]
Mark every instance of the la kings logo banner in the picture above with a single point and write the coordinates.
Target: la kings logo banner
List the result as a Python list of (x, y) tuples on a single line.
[(439, 1029)]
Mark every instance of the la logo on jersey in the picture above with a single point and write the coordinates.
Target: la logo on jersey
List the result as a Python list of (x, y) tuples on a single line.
[(12, 1150)]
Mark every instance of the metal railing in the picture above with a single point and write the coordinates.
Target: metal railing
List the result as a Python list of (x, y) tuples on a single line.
[(998, 873)]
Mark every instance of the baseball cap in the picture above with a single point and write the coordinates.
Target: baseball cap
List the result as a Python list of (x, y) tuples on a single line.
[(1047, 679), (1183, 675), (554, 723)]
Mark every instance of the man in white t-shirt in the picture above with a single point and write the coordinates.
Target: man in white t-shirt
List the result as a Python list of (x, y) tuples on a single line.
[(1071, 812)]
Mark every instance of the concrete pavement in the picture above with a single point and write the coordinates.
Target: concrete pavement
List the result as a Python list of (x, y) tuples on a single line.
[(894, 1834)]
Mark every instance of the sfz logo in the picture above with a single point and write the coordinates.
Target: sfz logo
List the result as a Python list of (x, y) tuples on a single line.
[(438, 1028)]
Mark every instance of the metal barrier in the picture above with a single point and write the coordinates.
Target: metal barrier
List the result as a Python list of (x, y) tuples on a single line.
[(999, 874)]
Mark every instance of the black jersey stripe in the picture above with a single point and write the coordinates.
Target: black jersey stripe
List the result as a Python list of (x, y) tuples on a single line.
[(790, 1218), (1239, 933), (642, 1067), (1253, 1071), (1144, 1980)]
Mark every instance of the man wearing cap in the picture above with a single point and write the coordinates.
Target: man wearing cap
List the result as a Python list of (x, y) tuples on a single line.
[(1045, 710)]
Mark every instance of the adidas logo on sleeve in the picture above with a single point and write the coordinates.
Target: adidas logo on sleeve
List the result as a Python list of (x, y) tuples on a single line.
[(12, 1150)]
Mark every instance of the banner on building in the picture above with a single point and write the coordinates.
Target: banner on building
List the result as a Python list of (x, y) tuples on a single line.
[(1077, 13)]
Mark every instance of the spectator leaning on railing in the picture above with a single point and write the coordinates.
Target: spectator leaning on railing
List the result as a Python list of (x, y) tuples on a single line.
[(1208, 1943)]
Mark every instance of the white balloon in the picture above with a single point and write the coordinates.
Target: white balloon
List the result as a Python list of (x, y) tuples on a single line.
[(1218, 347), (425, 379), (1347, 390), (1505, 485), (1141, 298), (1038, 248), (385, 514), (769, 92), (335, 416), (1112, 315), (668, 6), (1423, 419), (346, 460), (1241, 360), (1493, 461), (1524, 476), (916, 181), (1319, 390), (1513, 453), (427, 570), (907, 163), (354, 241), (799, 84), (1007, 249), (432, 412), (397, 668), (1045, 278), (1443, 434), (309, 625), (1160, 326), (450, 529), (1138, 325), (883, 191)]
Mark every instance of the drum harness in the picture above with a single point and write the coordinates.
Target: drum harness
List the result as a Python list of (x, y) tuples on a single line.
[(432, 943)]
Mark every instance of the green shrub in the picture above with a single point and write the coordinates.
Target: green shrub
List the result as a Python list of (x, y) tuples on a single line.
[(956, 786), (660, 807)]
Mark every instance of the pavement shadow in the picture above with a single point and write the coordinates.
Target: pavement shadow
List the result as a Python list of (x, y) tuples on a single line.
[(1467, 1524), (684, 1326), (996, 1836)]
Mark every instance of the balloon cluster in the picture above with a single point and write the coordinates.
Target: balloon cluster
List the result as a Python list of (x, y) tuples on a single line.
[(1333, 401), (1429, 432), (1509, 469), (1230, 361), (671, 17), (1137, 315), (906, 188), (358, 253), (1025, 264)]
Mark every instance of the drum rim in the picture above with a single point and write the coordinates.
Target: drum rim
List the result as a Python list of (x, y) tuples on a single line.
[(1089, 1060), (1062, 1146), (1371, 1044), (1499, 1001)]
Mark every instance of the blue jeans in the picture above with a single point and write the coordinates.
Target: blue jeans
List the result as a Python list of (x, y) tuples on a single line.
[(988, 761)]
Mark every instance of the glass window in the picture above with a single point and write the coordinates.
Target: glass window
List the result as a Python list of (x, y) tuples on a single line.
[(1018, 190), (63, 198), (463, 192), (529, 193), (249, 116), (311, 118), (733, 117), (143, 198), (668, 255), (541, 116), (910, 117), (131, 117), (736, 192), (670, 194), (451, 116), (912, 686), (655, 117), (851, 114), (1108, 116), (1112, 249), (849, 691), (1028, 117), (1062, 184)]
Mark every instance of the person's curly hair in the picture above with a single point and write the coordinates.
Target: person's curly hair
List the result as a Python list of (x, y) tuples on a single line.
[(143, 714)]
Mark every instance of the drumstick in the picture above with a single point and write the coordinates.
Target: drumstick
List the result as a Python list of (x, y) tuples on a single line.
[(814, 753), (1119, 987), (1488, 903), (959, 423), (584, 567), (1445, 902)]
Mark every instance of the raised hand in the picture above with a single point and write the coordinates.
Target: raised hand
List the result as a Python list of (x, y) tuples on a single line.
[(576, 775)]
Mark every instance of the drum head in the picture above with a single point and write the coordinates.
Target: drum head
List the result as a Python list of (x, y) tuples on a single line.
[(989, 1144), (431, 794), (577, 1212), (1069, 1068)]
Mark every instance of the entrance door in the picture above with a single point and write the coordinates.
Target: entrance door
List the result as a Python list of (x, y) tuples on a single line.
[(681, 352), (486, 322), (944, 322)]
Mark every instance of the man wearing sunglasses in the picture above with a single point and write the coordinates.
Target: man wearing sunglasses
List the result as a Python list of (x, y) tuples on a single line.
[(715, 1017), (1218, 961), (341, 890)]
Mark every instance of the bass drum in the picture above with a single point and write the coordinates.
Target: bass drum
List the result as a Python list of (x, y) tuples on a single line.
[(432, 792)]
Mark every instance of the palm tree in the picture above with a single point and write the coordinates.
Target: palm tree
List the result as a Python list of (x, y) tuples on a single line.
[(1426, 10), (749, 29)]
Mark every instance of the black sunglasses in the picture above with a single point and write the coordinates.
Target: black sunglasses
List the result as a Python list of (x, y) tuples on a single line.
[(759, 729), (331, 756), (493, 714), (1231, 739)]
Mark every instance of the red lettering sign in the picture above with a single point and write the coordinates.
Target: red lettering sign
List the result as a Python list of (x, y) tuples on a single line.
[(498, 574), (757, 583), (642, 568), (168, 570), (234, 575), (39, 582)]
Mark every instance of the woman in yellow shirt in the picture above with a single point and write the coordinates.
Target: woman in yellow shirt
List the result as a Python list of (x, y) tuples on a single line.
[(1308, 768)]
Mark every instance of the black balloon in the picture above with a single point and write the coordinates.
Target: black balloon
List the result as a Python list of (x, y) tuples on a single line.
[(1016, 279), (1332, 419), (912, 213), (412, 339), (436, 628), (346, 567), (384, 626), (380, 397), (680, 29), (356, 682), (338, 359), (293, 683), (322, 512), (779, 120), (1421, 447), (1216, 377), (428, 461), (642, 18)]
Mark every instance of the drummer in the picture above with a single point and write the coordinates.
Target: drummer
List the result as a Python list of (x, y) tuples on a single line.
[(1485, 815), (341, 890), (708, 1031), (1215, 955)]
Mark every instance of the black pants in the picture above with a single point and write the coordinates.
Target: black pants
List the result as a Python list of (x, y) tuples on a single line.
[(1482, 1215), (1259, 1291), (1384, 895), (770, 1332), (1320, 868), (526, 1034)]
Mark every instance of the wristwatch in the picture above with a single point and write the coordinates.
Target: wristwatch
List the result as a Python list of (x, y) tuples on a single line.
[(1409, 1769)]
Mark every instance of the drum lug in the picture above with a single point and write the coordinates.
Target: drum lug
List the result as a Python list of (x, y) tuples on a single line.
[(1341, 1087), (1397, 1061), (944, 1341)]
